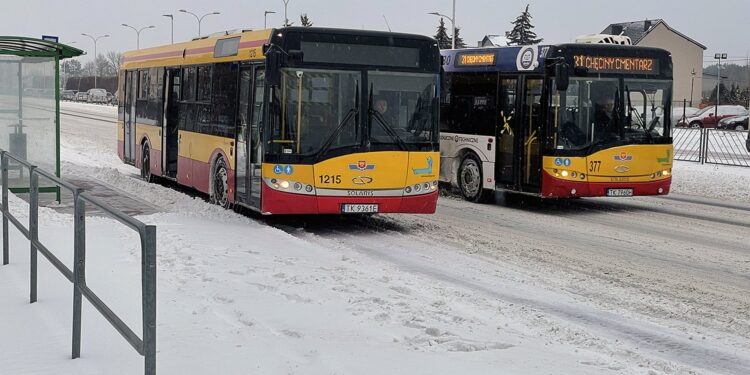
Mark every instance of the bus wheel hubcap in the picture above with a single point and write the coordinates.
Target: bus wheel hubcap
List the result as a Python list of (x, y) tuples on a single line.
[(220, 186), (470, 178)]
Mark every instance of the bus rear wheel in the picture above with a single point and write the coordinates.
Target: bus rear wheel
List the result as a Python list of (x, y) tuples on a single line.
[(470, 180), (146, 164), (220, 185)]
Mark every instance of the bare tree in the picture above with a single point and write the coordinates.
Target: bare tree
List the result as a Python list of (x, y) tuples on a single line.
[(89, 69), (114, 59), (102, 66)]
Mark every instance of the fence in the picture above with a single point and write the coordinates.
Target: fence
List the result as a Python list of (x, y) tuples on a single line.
[(146, 346), (712, 146)]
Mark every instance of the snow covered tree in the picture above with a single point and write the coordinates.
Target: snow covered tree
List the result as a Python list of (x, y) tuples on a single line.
[(444, 41), (459, 41), (304, 20), (523, 31)]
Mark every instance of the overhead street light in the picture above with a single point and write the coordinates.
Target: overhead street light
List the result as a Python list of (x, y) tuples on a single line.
[(718, 56), (453, 23), (95, 39), (138, 33), (265, 17), (171, 19), (200, 19)]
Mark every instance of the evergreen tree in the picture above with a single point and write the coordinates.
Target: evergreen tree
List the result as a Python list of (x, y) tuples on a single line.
[(305, 21), (523, 31), (444, 41), (459, 41)]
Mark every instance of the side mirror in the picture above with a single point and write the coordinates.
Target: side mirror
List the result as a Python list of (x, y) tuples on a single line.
[(562, 77), (273, 67)]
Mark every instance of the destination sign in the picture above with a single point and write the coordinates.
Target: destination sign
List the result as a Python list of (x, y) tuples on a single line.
[(633, 65), (476, 59)]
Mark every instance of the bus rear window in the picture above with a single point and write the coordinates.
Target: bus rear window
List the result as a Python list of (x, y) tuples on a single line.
[(346, 53)]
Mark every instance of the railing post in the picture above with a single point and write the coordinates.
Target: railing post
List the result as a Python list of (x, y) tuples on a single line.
[(33, 229), (79, 267), (148, 285), (4, 167), (704, 143)]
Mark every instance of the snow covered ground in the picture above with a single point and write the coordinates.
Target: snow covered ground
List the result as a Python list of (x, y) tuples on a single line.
[(597, 286)]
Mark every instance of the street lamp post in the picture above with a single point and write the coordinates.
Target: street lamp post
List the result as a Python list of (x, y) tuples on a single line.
[(171, 19), (692, 83), (286, 19), (138, 33), (453, 23), (265, 17), (718, 56), (95, 39), (200, 19)]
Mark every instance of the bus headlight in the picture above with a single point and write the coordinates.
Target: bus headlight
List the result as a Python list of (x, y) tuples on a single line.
[(309, 188), (666, 172), (408, 190), (417, 188), (297, 186), (564, 173), (573, 174), (284, 184)]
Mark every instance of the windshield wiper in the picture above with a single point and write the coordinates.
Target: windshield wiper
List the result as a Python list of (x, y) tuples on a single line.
[(384, 124), (351, 113)]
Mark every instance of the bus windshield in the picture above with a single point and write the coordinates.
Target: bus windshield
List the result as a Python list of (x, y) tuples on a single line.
[(319, 111), (403, 109), (317, 107), (602, 111)]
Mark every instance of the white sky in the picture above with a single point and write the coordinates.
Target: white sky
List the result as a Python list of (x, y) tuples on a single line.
[(556, 21)]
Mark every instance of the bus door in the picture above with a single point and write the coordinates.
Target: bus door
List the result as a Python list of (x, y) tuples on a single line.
[(171, 119), (249, 145), (243, 122), (529, 142), (131, 89), (505, 132)]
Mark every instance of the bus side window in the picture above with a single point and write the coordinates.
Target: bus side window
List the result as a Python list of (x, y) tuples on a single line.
[(474, 103)]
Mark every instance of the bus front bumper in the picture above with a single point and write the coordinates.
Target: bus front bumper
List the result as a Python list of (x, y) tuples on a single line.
[(558, 188), (282, 203)]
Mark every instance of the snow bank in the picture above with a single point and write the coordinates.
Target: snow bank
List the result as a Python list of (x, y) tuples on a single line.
[(711, 181)]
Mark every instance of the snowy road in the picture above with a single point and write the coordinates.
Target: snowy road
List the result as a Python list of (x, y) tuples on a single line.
[(622, 286), (665, 278)]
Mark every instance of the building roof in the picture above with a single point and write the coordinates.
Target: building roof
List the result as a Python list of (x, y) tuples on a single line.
[(23, 46), (638, 30), (494, 40)]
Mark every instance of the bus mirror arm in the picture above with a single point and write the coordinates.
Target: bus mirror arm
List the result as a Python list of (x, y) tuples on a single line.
[(273, 66), (562, 76)]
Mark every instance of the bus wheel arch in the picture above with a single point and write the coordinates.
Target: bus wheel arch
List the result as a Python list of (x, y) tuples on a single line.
[(469, 177), (218, 183)]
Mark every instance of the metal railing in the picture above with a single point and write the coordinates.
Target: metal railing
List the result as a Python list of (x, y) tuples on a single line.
[(146, 346), (712, 146)]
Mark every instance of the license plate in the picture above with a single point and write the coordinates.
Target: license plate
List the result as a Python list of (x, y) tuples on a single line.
[(619, 192), (359, 208)]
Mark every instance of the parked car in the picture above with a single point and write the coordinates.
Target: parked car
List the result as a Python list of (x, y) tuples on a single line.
[(67, 95), (677, 113), (97, 96), (706, 117), (81, 96), (733, 123)]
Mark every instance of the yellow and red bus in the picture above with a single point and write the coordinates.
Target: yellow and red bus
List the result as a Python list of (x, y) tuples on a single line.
[(557, 121), (288, 121)]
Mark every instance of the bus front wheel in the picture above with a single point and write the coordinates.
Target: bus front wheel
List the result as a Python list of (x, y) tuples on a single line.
[(470, 180), (220, 185), (146, 164)]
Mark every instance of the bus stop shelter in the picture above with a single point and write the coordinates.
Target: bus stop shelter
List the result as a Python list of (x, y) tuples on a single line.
[(30, 104)]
